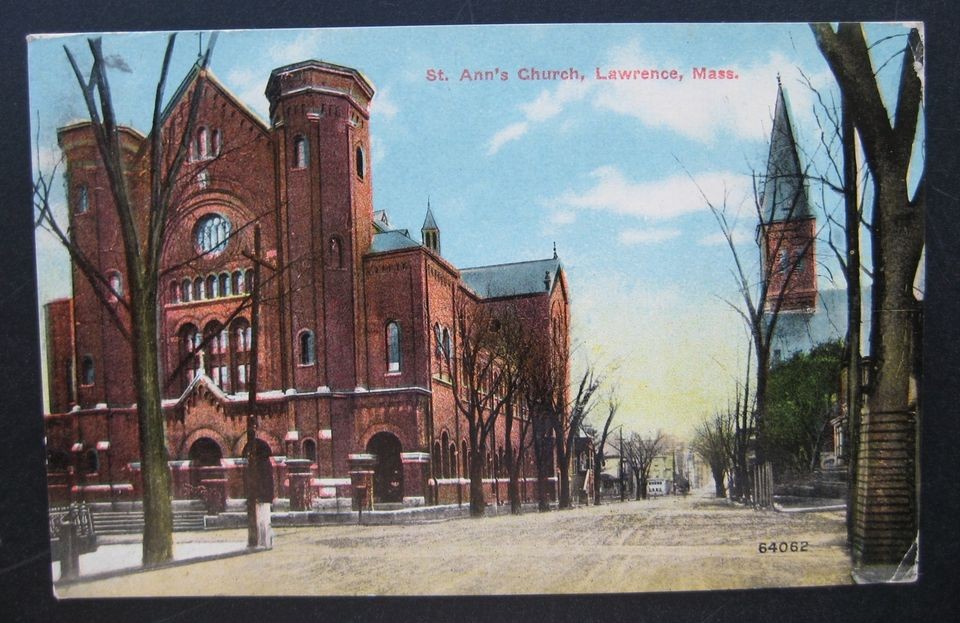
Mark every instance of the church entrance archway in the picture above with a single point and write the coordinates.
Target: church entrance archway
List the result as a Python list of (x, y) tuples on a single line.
[(388, 474), (262, 469), (204, 452)]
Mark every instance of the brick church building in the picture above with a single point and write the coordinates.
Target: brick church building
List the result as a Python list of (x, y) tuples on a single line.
[(349, 373)]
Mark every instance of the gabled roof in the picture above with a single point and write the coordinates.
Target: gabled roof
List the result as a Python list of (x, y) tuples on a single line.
[(212, 79), (393, 240), (515, 279), (784, 189)]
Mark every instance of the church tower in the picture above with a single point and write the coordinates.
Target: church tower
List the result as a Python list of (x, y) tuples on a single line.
[(430, 233), (320, 113), (787, 229)]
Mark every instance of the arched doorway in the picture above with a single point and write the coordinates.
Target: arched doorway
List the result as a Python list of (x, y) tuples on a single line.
[(204, 452), (388, 474), (262, 469)]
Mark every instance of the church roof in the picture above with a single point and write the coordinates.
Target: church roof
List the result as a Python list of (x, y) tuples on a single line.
[(533, 277), (393, 240), (784, 190)]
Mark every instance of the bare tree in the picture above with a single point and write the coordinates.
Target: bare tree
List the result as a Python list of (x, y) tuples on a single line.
[(713, 441), (600, 442), (143, 233), (896, 232), (640, 453), (486, 373)]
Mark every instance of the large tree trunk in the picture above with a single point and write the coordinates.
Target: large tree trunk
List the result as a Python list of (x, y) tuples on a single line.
[(597, 470), (157, 508), (563, 464), (718, 486), (478, 503)]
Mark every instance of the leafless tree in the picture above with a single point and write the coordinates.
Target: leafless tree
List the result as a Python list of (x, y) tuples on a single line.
[(143, 233), (713, 441), (600, 442), (896, 228), (639, 453), (486, 362)]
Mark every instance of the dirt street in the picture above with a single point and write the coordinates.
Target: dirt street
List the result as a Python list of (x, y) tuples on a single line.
[(663, 544)]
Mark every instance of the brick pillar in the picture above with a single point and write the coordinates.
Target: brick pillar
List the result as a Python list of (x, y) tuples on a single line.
[(416, 471), (885, 512), (300, 491), (361, 479)]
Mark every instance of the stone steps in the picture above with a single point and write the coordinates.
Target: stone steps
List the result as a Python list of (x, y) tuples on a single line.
[(131, 522)]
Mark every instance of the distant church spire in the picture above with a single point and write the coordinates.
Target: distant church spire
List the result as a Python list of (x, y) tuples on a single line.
[(430, 233), (784, 186)]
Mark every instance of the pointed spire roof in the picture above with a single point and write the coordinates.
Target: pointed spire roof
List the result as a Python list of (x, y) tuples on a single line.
[(428, 221), (784, 188)]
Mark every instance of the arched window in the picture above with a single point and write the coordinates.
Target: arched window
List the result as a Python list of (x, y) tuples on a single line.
[(240, 353), (217, 142), (83, 199), (91, 461), (393, 347), (174, 292), (447, 345), (360, 162), (203, 143), (225, 284), (301, 152), (218, 344), (88, 373), (309, 450), (116, 285), (189, 340), (198, 288), (236, 281), (452, 458), (248, 281), (445, 463), (186, 290), (335, 253), (437, 460), (308, 347), (211, 286)]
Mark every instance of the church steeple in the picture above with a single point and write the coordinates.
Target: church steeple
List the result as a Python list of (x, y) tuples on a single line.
[(784, 185), (430, 233), (787, 229)]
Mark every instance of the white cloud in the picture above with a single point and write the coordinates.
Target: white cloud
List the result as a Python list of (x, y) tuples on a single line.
[(303, 47), (383, 105), (377, 150), (248, 85), (647, 236), (701, 110), (563, 217), (740, 236), (661, 199), (510, 133)]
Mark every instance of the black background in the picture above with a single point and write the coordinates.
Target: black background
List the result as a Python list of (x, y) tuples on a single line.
[(25, 588)]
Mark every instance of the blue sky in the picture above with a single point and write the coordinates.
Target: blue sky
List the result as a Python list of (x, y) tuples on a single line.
[(612, 171)]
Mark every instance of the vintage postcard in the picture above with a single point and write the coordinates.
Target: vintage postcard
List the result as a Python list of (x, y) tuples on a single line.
[(480, 310)]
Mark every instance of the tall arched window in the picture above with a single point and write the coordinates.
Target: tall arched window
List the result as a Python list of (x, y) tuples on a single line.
[(83, 199), (444, 468), (248, 281), (393, 347), (203, 143), (308, 347), (236, 280), (211, 286), (198, 288), (301, 152), (217, 142), (334, 253), (218, 344), (437, 460), (452, 458), (189, 339), (240, 353), (174, 292), (186, 290), (88, 373), (360, 162), (309, 450), (116, 285), (224, 284)]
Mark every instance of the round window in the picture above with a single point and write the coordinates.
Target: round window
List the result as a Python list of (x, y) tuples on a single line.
[(212, 233)]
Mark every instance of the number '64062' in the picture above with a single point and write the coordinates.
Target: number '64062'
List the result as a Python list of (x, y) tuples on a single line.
[(782, 547)]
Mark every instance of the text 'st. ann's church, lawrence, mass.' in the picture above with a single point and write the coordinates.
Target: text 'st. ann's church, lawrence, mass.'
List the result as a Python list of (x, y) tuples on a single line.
[(355, 320)]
